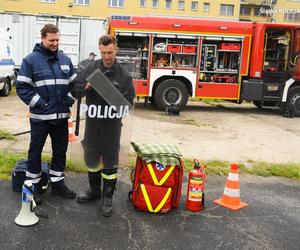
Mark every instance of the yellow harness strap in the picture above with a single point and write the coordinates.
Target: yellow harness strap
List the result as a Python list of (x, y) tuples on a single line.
[(162, 181), (148, 202)]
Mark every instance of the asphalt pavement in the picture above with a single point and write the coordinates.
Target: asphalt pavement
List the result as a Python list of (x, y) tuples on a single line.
[(271, 221)]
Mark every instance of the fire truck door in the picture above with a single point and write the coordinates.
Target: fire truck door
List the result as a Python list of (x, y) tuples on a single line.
[(295, 56), (297, 49)]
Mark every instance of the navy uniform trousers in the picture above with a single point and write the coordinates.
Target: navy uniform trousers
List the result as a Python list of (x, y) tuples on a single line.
[(58, 131)]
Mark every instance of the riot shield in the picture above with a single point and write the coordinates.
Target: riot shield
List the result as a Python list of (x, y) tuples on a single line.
[(104, 131)]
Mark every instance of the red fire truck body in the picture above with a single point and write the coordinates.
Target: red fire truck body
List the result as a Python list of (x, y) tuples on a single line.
[(171, 59)]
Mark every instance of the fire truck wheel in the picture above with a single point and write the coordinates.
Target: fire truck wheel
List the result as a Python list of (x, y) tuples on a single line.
[(294, 101), (171, 91)]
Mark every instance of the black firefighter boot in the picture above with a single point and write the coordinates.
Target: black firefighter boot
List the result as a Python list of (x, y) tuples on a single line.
[(94, 192), (108, 191)]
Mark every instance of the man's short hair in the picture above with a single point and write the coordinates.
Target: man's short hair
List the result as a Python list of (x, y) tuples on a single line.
[(49, 28), (107, 39)]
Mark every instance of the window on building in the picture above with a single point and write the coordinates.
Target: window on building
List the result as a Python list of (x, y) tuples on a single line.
[(194, 5), (154, 3), (47, 1), (143, 3), (82, 2), (115, 3), (168, 4), (181, 5), (292, 17), (245, 11), (226, 9), (206, 6)]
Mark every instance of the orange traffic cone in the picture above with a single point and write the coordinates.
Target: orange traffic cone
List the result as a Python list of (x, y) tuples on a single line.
[(72, 136), (231, 196)]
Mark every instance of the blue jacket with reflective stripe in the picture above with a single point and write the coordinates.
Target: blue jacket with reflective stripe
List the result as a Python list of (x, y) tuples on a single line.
[(43, 83)]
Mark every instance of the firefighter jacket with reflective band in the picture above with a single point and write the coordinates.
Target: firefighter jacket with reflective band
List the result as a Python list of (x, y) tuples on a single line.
[(43, 83), (119, 77)]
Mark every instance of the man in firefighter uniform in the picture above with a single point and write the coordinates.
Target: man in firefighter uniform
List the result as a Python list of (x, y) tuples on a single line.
[(101, 143), (43, 84)]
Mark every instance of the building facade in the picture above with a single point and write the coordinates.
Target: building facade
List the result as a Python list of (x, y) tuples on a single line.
[(105, 8), (249, 10), (287, 11)]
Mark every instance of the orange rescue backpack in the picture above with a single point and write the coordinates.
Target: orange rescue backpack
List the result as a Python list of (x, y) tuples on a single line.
[(157, 177)]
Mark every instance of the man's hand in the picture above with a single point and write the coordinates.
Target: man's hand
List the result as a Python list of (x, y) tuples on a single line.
[(88, 86)]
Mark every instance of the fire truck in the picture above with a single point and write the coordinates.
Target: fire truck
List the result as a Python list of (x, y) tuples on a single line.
[(172, 59)]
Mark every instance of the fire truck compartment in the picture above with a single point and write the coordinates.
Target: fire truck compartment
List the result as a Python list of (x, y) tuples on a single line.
[(220, 61), (269, 88), (133, 54)]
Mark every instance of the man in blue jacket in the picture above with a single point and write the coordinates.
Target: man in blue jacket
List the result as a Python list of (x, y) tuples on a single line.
[(43, 84)]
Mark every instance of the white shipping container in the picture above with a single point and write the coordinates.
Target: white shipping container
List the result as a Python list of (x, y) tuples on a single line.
[(22, 32), (90, 36), (69, 37), (79, 36)]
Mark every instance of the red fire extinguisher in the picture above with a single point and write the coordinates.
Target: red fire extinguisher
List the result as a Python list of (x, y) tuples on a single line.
[(195, 190)]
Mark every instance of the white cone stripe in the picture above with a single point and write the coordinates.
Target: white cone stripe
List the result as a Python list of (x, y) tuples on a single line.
[(71, 131), (233, 177), (232, 192)]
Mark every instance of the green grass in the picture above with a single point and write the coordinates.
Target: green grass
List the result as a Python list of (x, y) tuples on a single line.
[(212, 167), (70, 165), (7, 162), (219, 167), (197, 123), (4, 134), (290, 170), (13, 90)]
